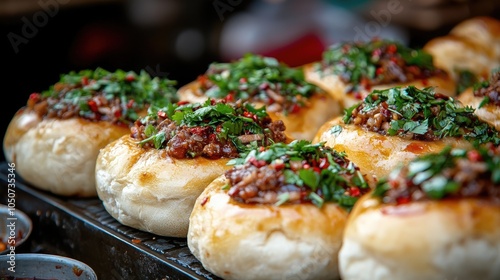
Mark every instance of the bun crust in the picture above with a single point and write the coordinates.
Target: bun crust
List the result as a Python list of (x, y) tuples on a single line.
[(58, 155), (377, 154), (240, 241), (449, 239), (302, 125), (473, 44), (489, 113), (337, 88), (146, 190)]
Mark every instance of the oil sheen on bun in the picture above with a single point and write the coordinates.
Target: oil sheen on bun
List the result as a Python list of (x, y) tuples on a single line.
[(150, 178), (349, 71), (395, 125), (436, 218), (278, 213), (265, 82), (54, 140)]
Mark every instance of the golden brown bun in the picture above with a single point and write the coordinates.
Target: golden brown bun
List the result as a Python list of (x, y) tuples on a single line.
[(58, 155), (489, 113), (22, 121), (240, 241), (337, 88), (145, 190), (302, 125), (454, 239), (376, 154), (473, 44)]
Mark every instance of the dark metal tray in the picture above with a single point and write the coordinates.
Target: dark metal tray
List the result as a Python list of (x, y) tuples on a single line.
[(82, 229)]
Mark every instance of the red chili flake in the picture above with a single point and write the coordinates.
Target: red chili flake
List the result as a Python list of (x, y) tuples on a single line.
[(218, 129), (392, 48), (393, 59), (474, 156), (295, 109), (130, 78), (77, 271), (357, 95), (354, 191), (261, 149), (180, 103), (118, 113), (93, 105), (58, 266), (35, 96), (229, 97), (257, 163), (197, 130), (130, 103), (212, 137), (212, 102), (162, 114), (323, 163), (317, 169), (204, 201), (248, 114), (379, 71), (202, 79), (85, 81), (279, 166), (402, 200), (136, 241), (425, 82), (243, 80)]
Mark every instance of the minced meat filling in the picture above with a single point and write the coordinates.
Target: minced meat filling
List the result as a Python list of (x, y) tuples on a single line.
[(419, 114), (258, 79), (209, 138), (363, 65), (491, 90), (450, 174), (100, 95), (277, 175)]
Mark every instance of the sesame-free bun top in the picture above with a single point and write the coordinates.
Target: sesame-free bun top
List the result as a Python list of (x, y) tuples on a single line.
[(150, 179), (272, 217), (396, 125), (349, 71), (54, 140), (485, 99), (265, 82), (435, 218), (472, 45)]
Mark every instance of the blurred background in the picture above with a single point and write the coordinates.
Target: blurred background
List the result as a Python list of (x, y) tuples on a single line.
[(42, 39)]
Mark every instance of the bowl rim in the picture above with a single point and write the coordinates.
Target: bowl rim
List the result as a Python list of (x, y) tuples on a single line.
[(20, 215), (54, 258)]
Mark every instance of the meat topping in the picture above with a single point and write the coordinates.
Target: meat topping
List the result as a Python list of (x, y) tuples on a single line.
[(299, 172), (212, 130)]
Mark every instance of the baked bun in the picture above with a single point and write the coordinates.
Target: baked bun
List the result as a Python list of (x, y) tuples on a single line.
[(150, 179), (265, 82), (472, 45), (279, 213), (486, 100), (54, 140), (399, 124), (435, 218), (349, 71)]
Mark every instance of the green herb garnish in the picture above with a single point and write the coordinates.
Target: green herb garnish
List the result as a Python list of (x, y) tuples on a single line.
[(259, 78), (134, 92), (423, 112), (321, 173)]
